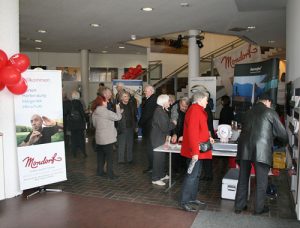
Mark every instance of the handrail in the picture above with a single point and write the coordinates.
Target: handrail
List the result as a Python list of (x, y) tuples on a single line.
[(170, 76), (219, 51), (234, 44), (153, 66)]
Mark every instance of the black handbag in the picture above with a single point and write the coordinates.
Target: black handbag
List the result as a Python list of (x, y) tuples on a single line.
[(205, 146)]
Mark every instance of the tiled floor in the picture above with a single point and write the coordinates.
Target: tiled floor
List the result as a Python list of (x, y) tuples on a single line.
[(134, 186)]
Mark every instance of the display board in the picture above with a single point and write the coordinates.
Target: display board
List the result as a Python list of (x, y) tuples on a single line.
[(210, 83), (225, 64), (251, 81), (39, 130)]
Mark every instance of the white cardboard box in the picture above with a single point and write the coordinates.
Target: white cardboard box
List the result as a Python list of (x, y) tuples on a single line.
[(229, 184)]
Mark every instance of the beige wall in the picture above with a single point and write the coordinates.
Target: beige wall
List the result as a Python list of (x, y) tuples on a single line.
[(53, 60), (213, 41), (172, 62)]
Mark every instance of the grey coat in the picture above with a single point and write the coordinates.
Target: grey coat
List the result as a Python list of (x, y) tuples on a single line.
[(161, 127), (260, 128), (103, 121)]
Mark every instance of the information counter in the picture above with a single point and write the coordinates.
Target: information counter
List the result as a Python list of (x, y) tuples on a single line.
[(219, 149)]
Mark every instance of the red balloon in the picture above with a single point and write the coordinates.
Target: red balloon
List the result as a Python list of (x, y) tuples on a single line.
[(140, 71), (128, 75), (132, 76), (9, 75), (3, 59), (2, 85), (18, 88), (135, 71), (139, 66), (125, 76), (19, 61), (130, 70)]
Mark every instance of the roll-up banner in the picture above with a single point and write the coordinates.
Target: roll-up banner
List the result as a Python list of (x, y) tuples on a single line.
[(39, 130), (210, 83), (246, 53), (251, 81)]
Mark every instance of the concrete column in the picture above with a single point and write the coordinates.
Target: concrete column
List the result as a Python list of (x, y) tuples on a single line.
[(84, 66), (292, 39), (194, 57), (292, 57), (9, 43), (148, 60)]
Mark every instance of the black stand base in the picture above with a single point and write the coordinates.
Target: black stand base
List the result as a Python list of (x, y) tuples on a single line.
[(43, 189)]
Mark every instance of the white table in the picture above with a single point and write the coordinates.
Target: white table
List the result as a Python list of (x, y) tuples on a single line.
[(175, 148)]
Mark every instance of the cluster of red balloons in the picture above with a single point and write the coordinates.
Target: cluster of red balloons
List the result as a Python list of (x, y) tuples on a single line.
[(133, 73), (10, 72)]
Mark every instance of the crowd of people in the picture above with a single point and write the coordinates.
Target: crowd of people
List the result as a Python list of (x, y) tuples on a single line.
[(188, 122)]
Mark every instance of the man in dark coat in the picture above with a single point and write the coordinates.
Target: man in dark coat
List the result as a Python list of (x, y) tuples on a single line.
[(145, 122), (260, 127), (226, 114), (208, 163), (178, 114)]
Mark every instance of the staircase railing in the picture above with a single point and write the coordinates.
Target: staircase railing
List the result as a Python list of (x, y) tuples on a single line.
[(170, 76), (206, 58), (152, 66), (222, 50)]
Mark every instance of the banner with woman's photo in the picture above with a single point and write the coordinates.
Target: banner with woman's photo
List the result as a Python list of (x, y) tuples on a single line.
[(39, 130)]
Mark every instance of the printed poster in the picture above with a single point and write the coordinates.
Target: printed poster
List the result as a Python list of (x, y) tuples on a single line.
[(210, 83), (246, 53), (39, 130), (251, 81)]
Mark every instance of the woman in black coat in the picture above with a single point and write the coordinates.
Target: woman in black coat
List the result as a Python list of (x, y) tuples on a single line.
[(76, 124), (161, 127), (126, 127)]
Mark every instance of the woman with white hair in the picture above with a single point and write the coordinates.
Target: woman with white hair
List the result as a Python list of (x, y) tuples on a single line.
[(161, 127), (195, 132)]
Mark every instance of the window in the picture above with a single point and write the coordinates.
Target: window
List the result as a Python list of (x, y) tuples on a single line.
[(101, 74)]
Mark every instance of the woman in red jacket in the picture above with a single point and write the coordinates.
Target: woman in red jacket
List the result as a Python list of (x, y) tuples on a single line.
[(195, 131)]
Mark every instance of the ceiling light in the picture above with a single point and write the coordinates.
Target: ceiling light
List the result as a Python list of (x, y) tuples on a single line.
[(104, 52), (184, 4), (41, 31), (133, 37), (38, 48), (38, 41), (271, 41), (251, 27), (147, 9), (94, 25), (121, 47)]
